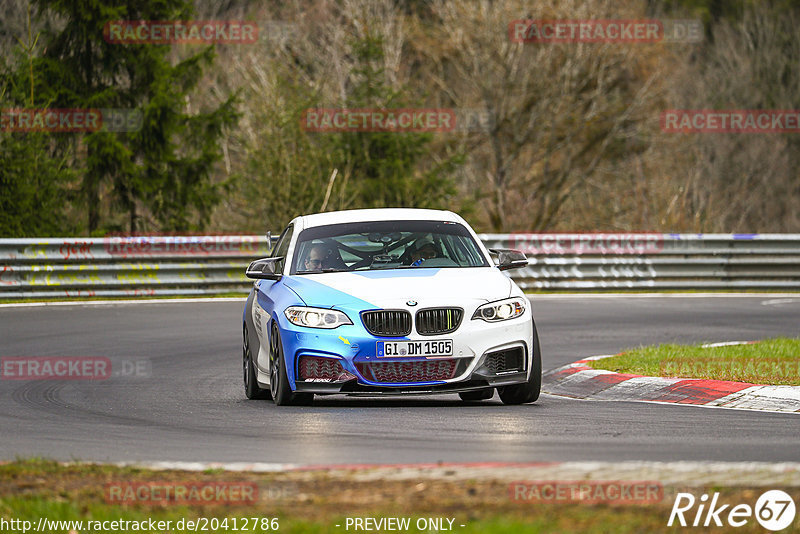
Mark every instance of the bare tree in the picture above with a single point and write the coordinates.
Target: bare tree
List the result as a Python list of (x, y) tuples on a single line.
[(305, 58), (744, 181), (561, 112)]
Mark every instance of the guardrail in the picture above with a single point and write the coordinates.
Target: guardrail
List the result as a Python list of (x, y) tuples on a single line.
[(198, 265), (655, 261), (126, 266)]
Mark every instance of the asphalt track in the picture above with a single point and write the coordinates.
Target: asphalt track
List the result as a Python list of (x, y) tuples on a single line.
[(191, 406)]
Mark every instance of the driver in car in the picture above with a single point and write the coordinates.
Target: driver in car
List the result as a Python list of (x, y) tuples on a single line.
[(424, 250), (317, 257)]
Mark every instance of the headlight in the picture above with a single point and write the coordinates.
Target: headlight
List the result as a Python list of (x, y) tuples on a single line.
[(501, 310), (316, 317)]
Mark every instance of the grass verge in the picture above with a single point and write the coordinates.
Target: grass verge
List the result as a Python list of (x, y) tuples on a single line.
[(771, 361), (320, 502)]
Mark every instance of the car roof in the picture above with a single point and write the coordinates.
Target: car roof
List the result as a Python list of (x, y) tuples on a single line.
[(376, 214)]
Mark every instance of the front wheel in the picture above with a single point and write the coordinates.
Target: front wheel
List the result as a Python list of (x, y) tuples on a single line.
[(251, 389), (529, 390), (278, 380)]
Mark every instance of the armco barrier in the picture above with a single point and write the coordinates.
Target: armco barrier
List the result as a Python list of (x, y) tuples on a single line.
[(655, 261), (126, 266), (198, 265)]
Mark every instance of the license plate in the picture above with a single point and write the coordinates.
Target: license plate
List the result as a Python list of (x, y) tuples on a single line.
[(427, 348)]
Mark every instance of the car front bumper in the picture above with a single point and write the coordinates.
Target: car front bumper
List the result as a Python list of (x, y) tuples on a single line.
[(475, 343), (354, 388)]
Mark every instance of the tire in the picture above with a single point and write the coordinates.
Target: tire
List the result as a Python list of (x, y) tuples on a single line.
[(479, 395), (278, 379), (527, 391), (251, 389)]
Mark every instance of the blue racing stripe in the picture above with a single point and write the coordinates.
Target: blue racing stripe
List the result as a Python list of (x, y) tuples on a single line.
[(318, 294)]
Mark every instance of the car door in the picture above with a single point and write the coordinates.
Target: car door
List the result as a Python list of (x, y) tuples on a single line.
[(267, 294)]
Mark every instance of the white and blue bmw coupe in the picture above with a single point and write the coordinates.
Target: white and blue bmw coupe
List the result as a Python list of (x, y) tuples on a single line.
[(387, 302)]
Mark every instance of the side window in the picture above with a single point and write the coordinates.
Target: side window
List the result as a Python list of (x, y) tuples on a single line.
[(282, 247)]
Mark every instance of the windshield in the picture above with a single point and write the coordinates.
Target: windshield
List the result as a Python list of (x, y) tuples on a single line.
[(366, 246)]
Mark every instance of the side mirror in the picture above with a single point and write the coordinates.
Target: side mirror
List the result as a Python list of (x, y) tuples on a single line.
[(509, 259), (263, 269)]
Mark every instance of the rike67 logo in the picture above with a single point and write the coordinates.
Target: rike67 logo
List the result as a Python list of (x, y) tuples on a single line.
[(774, 510)]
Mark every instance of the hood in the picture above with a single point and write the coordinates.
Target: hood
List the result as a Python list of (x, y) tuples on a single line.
[(392, 288)]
